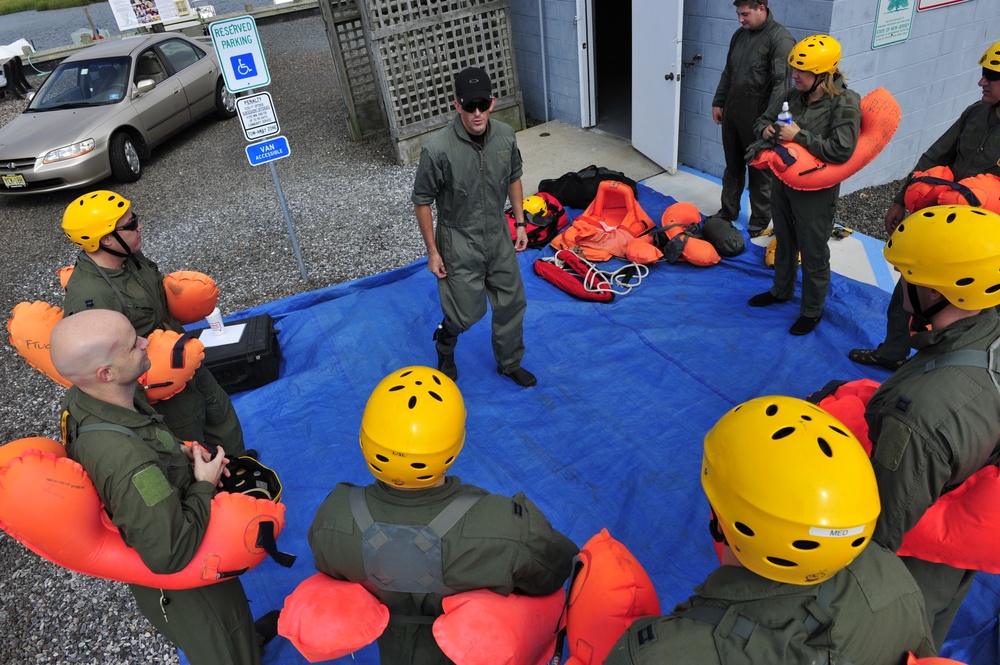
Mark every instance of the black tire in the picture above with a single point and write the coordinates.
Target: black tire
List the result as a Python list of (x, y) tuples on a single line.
[(126, 165), (225, 101)]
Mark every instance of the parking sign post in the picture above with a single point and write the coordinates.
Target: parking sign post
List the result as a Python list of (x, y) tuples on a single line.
[(241, 55)]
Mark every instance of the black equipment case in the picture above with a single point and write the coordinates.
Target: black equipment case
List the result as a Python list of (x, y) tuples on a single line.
[(249, 363)]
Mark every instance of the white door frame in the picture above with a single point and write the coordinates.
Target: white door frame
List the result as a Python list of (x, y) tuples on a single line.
[(585, 40), (657, 27)]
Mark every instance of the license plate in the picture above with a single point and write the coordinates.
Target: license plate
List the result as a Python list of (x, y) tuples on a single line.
[(12, 181)]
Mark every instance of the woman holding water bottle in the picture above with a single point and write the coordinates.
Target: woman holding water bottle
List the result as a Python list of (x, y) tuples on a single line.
[(824, 117)]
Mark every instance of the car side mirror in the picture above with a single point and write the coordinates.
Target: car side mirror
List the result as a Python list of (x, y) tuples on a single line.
[(143, 86)]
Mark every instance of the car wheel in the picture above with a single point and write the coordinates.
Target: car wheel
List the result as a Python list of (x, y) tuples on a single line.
[(125, 163), (225, 101)]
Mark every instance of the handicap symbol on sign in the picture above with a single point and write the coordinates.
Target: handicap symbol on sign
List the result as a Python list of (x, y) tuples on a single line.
[(243, 66)]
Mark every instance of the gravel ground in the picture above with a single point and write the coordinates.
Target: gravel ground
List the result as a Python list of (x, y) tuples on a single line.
[(203, 208)]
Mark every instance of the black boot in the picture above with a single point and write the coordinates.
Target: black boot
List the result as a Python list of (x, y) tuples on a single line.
[(446, 351)]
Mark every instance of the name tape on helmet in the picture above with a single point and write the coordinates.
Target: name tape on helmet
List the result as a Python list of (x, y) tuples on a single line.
[(826, 532)]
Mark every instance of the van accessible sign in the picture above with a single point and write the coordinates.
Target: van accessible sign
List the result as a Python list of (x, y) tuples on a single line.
[(240, 53), (268, 151)]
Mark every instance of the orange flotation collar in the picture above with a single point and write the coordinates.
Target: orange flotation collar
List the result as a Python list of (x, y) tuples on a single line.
[(797, 168), (609, 590), (568, 272), (610, 226), (191, 295), (174, 358), (49, 505), (959, 530), (30, 327), (325, 618)]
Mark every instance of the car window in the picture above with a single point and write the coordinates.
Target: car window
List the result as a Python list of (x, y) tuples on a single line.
[(83, 83), (148, 66), (180, 54)]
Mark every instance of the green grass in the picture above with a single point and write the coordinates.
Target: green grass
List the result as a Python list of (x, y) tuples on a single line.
[(14, 6)]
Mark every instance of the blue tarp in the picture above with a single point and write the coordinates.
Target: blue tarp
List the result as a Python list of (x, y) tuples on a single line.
[(610, 437)]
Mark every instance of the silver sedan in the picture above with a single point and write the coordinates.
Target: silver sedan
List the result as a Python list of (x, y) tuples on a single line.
[(103, 109)]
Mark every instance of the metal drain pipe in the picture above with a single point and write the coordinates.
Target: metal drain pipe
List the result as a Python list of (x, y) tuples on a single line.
[(541, 40)]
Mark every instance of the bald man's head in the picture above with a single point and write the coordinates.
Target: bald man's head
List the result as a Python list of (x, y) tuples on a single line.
[(97, 346)]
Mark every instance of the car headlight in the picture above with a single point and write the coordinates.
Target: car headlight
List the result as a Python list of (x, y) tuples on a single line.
[(69, 151)]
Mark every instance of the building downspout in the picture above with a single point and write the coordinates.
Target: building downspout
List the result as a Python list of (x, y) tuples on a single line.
[(541, 39)]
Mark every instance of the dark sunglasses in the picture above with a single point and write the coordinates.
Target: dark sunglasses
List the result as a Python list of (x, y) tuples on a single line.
[(132, 224), (991, 75), (481, 105)]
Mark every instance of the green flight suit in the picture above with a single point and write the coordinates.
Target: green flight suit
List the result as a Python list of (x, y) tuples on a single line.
[(803, 221), (874, 615), (150, 494), (502, 544), (756, 74), (202, 411), (970, 147), (469, 183), (931, 430)]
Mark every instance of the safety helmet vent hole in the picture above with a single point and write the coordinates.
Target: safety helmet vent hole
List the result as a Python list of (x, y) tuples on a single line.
[(418, 465), (825, 447), (424, 477), (744, 529), (951, 218), (858, 542), (838, 431), (965, 281), (782, 433), (450, 460), (805, 544), (993, 289), (412, 403), (382, 458), (771, 409), (395, 388), (435, 395), (406, 373), (375, 467), (785, 563), (806, 418)]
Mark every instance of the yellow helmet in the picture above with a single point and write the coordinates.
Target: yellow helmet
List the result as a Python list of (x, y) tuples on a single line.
[(793, 490), (93, 216), (534, 205), (413, 427), (991, 58), (953, 249), (819, 54)]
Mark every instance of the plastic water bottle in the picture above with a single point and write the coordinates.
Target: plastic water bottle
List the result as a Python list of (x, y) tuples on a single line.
[(785, 116)]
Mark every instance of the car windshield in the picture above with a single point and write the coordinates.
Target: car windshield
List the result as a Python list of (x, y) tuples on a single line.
[(83, 83)]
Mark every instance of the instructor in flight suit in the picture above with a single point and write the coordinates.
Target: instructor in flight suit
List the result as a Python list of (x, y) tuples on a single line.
[(794, 504), (468, 170), (412, 430)]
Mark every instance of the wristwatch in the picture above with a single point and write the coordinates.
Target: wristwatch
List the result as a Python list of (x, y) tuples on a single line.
[(520, 225)]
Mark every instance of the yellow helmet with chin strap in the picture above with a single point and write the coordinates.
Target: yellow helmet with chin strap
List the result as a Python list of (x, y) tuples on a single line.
[(534, 205), (413, 427), (93, 216), (792, 489), (819, 54), (991, 58), (952, 249)]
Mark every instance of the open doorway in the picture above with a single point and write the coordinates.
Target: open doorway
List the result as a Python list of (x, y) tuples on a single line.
[(613, 66)]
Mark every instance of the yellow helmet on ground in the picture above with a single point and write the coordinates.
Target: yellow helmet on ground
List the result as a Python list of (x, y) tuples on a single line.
[(952, 249), (413, 427), (819, 54), (534, 205), (791, 487), (991, 58), (93, 216)]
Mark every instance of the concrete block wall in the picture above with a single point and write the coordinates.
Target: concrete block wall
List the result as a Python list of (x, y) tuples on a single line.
[(561, 64)]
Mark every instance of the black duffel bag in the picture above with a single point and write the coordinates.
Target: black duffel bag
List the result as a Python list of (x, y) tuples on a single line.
[(577, 189)]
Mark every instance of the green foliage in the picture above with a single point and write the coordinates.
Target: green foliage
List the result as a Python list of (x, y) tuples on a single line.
[(14, 6)]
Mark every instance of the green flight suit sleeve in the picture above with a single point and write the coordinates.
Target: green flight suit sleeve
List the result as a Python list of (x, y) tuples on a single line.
[(545, 556), (163, 524), (84, 292), (429, 180), (781, 71)]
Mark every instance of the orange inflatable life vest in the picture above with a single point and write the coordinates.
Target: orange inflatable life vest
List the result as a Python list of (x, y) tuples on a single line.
[(49, 504), (985, 187), (191, 295), (931, 660), (326, 618), (30, 327), (960, 528), (173, 359), (64, 274), (609, 591), (880, 115), (696, 251), (610, 224), (925, 187)]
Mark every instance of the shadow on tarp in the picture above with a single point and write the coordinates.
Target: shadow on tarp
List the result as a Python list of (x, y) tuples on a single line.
[(611, 436)]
